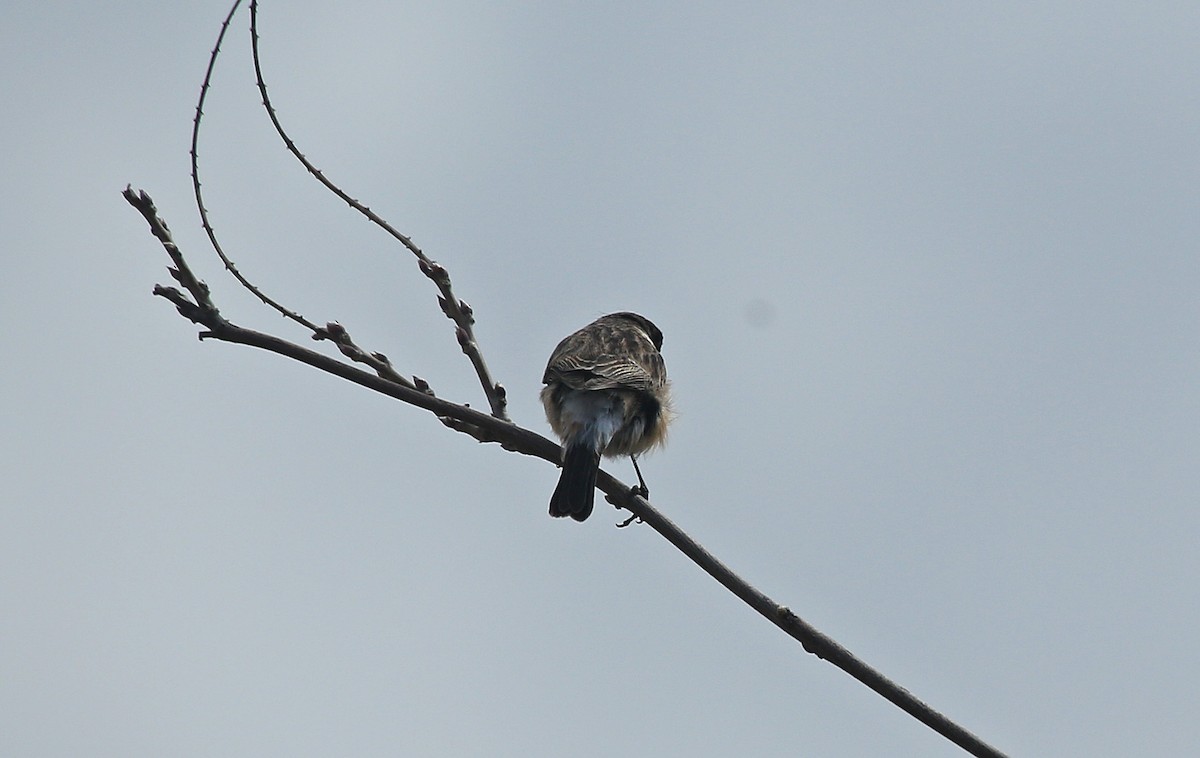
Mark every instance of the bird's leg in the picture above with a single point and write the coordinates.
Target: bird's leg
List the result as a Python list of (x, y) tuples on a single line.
[(641, 489)]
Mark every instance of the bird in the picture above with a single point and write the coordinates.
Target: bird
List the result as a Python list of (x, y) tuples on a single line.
[(606, 394)]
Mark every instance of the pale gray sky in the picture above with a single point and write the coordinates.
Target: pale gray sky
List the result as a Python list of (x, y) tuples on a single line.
[(928, 279)]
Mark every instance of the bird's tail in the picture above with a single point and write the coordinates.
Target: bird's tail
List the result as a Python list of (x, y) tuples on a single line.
[(576, 488)]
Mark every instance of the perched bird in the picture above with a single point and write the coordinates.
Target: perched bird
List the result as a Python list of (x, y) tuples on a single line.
[(606, 393)]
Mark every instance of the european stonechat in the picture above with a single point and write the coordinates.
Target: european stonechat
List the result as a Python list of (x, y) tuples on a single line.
[(606, 393)]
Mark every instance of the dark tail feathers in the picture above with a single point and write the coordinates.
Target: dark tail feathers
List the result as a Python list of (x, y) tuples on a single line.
[(576, 488)]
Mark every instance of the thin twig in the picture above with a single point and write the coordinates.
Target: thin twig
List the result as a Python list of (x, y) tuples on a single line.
[(200, 308), (204, 220), (456, 310), (338, 334), (378, 361)]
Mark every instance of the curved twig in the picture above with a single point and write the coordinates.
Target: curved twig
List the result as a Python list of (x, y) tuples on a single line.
[(331, 331), (204, 221), (455, 309)]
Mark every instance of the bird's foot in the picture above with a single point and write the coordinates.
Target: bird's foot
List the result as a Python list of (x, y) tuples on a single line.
[(632, 518)]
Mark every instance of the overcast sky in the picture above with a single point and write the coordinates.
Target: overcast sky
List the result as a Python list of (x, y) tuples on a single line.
[(928, 282)]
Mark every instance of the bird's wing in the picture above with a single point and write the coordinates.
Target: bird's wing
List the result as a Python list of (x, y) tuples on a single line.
[(603, 356), (600, 373)]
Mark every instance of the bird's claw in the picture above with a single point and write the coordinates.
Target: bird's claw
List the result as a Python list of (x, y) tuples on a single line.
[(632, 517)]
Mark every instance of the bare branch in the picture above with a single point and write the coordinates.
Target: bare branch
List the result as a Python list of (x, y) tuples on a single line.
[(195, 303), (455, 309), (415, 392), (488, 428)]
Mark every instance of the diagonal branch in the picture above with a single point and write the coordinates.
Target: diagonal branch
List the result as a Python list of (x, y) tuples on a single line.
[(456, 310), (488, 428)]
